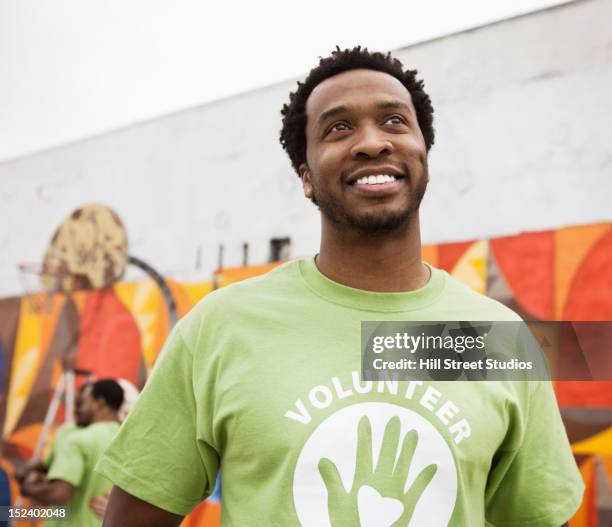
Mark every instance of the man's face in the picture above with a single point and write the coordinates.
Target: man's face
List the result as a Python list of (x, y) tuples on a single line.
[(362, 126), (84, 407)]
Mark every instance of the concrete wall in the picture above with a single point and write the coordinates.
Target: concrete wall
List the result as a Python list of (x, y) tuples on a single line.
[(522, 118)]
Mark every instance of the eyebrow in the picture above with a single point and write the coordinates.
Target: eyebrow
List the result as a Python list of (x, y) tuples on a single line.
[(385, 105), (332, 112), (399, 105)]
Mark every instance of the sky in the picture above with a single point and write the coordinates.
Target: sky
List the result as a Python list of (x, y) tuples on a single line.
[(71, 69)]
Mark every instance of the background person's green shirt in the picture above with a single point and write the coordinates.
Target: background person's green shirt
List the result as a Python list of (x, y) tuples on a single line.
[(74, 457), (262, 378), (60, 435)]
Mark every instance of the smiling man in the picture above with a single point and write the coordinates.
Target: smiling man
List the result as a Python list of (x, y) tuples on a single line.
[(263, 378)]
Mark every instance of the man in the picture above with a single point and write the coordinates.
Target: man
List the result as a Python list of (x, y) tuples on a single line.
[(263, 377), (98, 504), (70, 479), (37, 470)]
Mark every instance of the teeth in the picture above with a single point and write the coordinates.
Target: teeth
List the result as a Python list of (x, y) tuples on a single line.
[(375, 180)]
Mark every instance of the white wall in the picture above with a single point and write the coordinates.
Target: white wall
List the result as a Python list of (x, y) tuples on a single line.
[(522, 114)]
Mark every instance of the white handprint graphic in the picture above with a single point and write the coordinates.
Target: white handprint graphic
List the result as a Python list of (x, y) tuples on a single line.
[(387, 479), (375, 464)]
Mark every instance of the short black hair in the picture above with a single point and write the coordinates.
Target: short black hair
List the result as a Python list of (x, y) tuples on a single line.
[(109, 390), (293, 131)]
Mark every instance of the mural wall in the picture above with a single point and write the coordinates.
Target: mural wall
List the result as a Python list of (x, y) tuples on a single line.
[(564, 274)]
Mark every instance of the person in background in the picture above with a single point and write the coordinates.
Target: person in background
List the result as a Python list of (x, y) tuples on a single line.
[(70, 479), (37, 470), (98, 504)]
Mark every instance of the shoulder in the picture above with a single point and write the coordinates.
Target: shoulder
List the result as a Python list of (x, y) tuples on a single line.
[(77, 439), (63, 431), (92, 434), (473, 305)]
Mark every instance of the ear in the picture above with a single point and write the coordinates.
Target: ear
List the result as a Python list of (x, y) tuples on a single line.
[(306, 180)]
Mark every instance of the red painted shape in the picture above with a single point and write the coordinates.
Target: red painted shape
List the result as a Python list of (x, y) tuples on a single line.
[(584, 394), (589, 299), (109, 340), (590, 295), (24, 452), (527, 264), (450, 253)]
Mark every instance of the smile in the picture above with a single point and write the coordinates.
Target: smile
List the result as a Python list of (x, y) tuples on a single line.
[(379, 179)]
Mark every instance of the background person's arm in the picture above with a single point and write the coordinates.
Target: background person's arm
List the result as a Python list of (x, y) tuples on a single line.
[(125, 510), (55, 492)]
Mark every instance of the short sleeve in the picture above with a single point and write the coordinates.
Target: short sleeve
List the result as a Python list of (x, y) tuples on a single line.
[(60, 435), (68, 463), (155, 456), (538, 483)]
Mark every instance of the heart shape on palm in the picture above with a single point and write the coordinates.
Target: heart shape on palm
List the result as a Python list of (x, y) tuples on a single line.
[(375, 510)]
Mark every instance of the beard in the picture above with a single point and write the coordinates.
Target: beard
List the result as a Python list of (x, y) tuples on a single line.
[(382, 221), (82, 420)]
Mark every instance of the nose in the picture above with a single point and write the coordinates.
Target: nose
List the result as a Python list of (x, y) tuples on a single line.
[(371, 143)]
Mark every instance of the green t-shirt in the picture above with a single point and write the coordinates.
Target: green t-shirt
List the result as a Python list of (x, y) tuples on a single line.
[(262, 379), (61, 434), (74, 457)]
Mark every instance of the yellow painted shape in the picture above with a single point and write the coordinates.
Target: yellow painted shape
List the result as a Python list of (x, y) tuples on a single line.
[(197, 291), (146, 304), (471, 269), (27, 359), (600, 444), (125, 292), (571, 247)]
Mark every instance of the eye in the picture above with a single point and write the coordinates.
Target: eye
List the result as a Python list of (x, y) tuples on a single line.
[(396, 119), (338, 127)]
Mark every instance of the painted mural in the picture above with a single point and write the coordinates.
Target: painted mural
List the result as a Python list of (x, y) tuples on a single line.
[(118, 331)]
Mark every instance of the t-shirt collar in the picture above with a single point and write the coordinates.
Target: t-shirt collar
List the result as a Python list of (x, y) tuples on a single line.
[(370, 300)]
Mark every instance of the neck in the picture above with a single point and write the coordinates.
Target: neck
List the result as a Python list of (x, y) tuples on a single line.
[(389, 262), (104, 416)]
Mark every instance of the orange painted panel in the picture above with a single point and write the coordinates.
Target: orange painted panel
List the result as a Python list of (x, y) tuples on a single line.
[(206, 514), (429, 254), (26, 437), (588, 507), (184, 301), (235, 274)]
